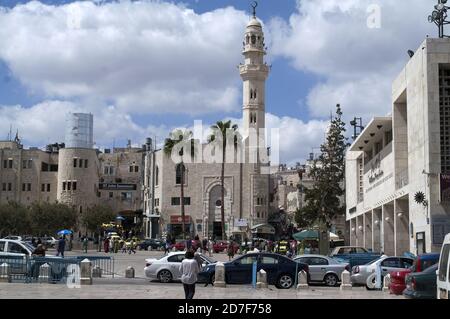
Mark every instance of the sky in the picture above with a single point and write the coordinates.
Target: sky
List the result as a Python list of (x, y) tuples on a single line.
[(146, 67)]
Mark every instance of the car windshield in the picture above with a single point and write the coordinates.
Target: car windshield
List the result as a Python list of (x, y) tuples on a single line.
[(209, 260), (372, 262), (29, 246)]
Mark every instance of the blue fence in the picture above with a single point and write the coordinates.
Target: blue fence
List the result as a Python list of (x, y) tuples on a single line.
[(26, 269)]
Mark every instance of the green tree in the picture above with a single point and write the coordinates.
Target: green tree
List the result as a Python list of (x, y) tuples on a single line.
[(220, 130), (49, 218), (324, 200), (95, 216), (178, 143), (14, 219)]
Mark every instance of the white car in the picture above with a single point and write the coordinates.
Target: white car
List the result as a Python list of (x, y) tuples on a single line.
[(49, 241), (166, 268), (360, 274), (443, 272), (9, 247)]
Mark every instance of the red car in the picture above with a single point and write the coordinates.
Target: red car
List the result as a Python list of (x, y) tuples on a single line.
[(421, 263), (181, 245), (220, 246)]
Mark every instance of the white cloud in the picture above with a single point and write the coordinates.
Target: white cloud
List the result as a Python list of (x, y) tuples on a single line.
[(144, 56), (357, 63)]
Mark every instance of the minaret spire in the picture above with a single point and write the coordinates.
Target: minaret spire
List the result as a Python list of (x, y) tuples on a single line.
[(254, 5)]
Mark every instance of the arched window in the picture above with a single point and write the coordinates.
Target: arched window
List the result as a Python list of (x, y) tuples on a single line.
[(180, 174), (251, 94), (253, 39), (254, 93), (157, 176), (247, 39)]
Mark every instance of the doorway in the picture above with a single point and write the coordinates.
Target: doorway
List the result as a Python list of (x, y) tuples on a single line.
[(420, 243)]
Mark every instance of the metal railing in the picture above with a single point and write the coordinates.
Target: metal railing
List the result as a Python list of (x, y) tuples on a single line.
[(26, 269)]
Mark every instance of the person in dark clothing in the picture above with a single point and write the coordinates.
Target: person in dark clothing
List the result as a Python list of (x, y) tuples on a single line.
[(205, 245), (61, 246), (39, 251)]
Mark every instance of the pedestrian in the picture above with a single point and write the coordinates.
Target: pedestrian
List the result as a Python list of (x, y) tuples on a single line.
[(85, 244), (205, 245), (167, 246), (106, 245), (39, 251), (116, 245), (189, 270), (231, 250), (111, 245), (210, 246), (131, 249), (188, 244), (61, 246)]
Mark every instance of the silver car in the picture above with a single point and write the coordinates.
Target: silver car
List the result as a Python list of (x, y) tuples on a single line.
[(166, 268), (360, 274), (324, 269)]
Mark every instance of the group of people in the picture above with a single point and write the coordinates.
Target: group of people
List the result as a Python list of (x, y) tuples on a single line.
[(114, 244)]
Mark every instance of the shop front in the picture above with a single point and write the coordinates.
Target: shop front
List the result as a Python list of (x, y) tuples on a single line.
[(175, 227)]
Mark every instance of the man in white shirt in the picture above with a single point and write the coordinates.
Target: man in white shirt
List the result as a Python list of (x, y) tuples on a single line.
[(189, 270)]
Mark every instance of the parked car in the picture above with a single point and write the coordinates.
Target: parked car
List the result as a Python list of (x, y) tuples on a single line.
[(9, 247), (361, 273), (281, 271), (323, 269), (443, 274), (354, 255), (49, 241), (421, 285), (151, 243), (166, 268), (421, 263), (181, 245)]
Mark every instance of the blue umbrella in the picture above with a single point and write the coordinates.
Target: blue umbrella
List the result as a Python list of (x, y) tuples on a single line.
[(64, 232), (120, 218)]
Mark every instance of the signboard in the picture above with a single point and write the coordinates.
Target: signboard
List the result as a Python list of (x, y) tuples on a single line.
[(375, 170), (444, 183), (241, 222), (117, 187), (176, 219)]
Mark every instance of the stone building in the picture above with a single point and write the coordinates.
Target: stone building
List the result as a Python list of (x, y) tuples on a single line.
[(74, 173), (397, 170), (246, 199)]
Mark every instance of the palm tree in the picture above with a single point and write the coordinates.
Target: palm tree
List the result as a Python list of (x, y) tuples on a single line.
[(176, 137), (220, 128)]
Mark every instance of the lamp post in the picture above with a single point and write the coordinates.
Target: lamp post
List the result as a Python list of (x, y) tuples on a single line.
[(439, 17)]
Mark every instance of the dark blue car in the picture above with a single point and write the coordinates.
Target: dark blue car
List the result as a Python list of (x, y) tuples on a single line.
[(281, 271)]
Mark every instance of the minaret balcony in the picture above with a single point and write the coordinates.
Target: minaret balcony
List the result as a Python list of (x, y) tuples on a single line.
[(245, 68)]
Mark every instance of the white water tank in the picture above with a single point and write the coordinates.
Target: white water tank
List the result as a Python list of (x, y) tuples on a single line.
[(79, 130)]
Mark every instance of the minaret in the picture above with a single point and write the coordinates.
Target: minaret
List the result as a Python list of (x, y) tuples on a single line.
[(254, 73)]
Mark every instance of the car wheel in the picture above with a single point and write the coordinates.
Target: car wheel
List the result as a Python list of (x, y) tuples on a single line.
[(165, 276), (331, 280), (285, 281), (371, 281)]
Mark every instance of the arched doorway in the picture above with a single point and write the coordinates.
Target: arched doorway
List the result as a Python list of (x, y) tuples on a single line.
[(214, 211)]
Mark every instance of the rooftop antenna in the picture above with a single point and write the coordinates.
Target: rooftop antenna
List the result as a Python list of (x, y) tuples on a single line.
[(439, 17), (254, 5)]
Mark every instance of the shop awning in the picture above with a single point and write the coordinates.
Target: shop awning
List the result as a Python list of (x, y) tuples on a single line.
[(263, 229), (306, 234)]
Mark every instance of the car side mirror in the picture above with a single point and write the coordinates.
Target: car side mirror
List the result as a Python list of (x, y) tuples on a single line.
[(437, 272)]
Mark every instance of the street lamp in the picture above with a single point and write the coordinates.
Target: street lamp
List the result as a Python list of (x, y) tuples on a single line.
[(439, 17)]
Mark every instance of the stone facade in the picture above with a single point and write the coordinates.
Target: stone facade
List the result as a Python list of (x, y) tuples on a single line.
[(400, 155)]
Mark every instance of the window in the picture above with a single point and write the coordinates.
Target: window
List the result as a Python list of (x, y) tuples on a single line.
[(10, 163), (187, 200), (247, 260), (407, 263), (69, 186), (24, 187), (361, 250), (156, 201), (75, 162), (74, 186), (26, 163), (111, 194), (317, 261), (4, 187), (180, 174), (388, 137), (85, 163), (391, 262), (5, 163), (176, 259), (48, 187), (64, 186), (378, 147), (9, 187), (2, 246), (175, 201), (157, 176), (125, 195), (253, 39), (269, 260), (43, 188), (218, 203), (81, 163), (16, 248), (108, 170)]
